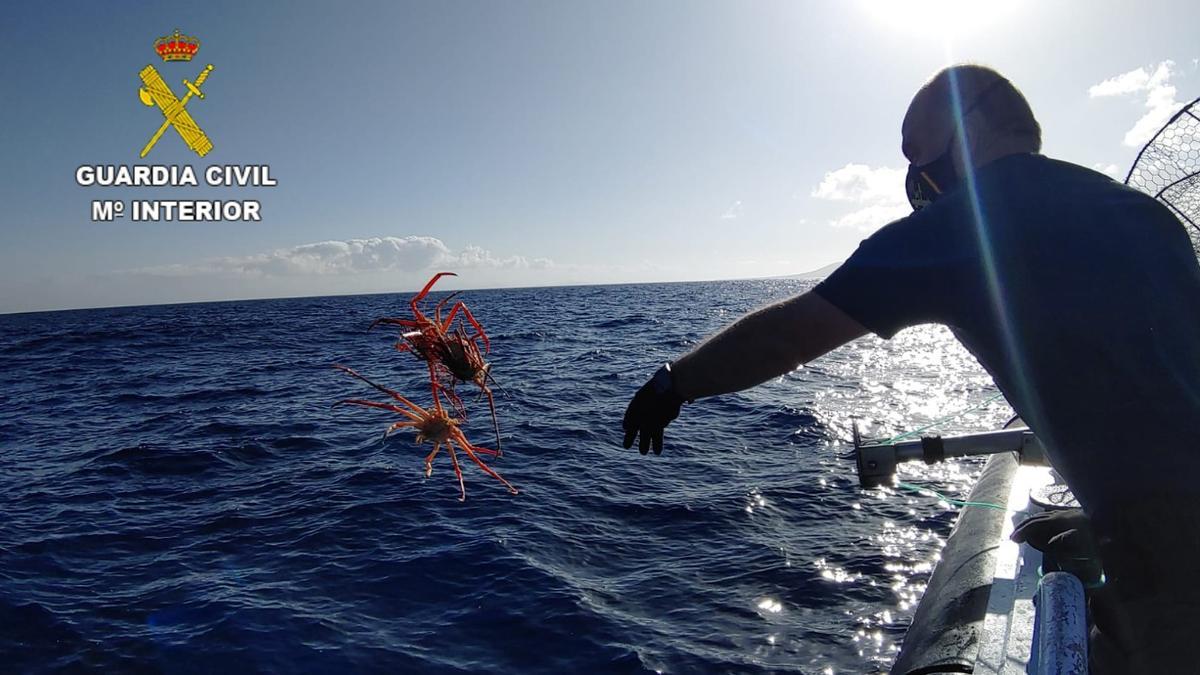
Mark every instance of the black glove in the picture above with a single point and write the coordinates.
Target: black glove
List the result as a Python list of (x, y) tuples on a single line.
[(1065, 536), (1050, 531), (651, 410)]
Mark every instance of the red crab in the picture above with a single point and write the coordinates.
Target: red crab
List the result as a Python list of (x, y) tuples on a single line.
[(436, 427), (448, 349)]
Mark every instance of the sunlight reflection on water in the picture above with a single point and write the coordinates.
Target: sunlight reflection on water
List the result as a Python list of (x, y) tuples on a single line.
[(920, 376)]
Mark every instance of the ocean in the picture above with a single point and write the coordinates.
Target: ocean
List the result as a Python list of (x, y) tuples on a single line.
[(179, 496)]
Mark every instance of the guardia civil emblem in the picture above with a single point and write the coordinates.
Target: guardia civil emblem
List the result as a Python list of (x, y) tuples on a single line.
[(156, 92)]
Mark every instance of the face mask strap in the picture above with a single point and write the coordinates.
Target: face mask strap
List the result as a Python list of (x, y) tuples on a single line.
[(931, 182)]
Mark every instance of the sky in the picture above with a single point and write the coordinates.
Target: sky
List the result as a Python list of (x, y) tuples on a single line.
[(525, 143)]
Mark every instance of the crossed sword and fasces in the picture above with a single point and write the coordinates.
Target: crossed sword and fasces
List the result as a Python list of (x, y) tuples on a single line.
[(156, 92)]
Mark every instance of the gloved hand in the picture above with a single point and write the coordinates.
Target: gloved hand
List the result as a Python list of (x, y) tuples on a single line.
[(1055, 531), (1065, 536), (651, 410)]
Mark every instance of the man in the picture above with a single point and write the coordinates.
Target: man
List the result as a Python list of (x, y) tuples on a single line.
[(1080, 296)]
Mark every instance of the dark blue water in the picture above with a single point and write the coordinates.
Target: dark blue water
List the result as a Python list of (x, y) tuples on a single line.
[(178, 495)]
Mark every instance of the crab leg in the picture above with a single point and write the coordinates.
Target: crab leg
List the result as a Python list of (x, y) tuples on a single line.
[(437, 401), (429, 460), (487, 348), (381, 406), (437, 309), (469, 449), (495, 422), (453, 400), (457, 470), (398, 425), (403, 323), (380, 387), (434, 385), (425, 291)]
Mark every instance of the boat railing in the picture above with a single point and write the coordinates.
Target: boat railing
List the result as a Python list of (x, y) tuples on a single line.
[(1061, 628), (972, 617)]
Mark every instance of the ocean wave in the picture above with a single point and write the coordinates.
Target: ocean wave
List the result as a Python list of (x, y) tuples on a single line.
[(161, 460), (182, 496)]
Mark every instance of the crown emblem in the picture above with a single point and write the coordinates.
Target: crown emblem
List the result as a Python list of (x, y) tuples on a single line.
[(177, 47)]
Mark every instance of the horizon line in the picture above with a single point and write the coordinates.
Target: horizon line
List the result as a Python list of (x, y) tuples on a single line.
[(798, 276)]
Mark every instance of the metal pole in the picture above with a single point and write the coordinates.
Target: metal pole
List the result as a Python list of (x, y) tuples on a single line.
[(1062, 625)]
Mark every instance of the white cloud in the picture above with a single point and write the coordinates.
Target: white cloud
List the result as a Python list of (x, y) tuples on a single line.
[(871, 218), (350, 257), (1155, 84), (861, 183), (733, 211), (475, 257), (1125, 83), (1111, 169), (878, 191)]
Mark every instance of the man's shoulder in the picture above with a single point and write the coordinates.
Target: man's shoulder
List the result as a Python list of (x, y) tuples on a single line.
[(921, 228), (1024, 190), (1051, 174), (1035, 166), (1099, 195)]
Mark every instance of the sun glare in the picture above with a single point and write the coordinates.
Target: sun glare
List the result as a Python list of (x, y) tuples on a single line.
[(946, 19)]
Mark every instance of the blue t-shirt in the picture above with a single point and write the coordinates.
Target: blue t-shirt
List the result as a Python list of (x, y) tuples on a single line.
[(1079, 295)]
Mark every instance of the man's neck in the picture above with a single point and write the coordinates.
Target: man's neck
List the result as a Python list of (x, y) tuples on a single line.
[(998, 148)]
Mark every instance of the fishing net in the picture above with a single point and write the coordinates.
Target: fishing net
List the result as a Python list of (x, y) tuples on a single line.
[(1168, 168)]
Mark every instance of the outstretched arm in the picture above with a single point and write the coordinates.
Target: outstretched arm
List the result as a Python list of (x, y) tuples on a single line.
[(759, 346), (764, 344)]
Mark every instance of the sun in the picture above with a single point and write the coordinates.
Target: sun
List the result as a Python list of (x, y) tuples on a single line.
[(947, 19)]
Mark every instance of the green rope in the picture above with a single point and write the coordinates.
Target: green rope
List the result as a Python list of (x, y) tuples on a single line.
[(948, 500), (939, 422), (1089, 585), (915, 432)]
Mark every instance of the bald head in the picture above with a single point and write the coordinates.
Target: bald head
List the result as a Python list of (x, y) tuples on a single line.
[(996, 120)]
